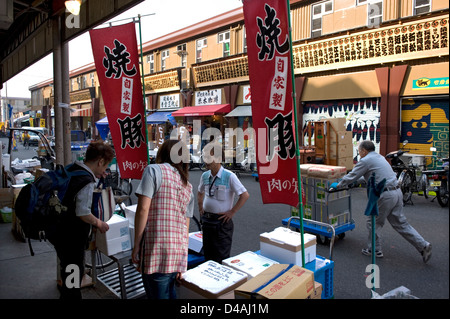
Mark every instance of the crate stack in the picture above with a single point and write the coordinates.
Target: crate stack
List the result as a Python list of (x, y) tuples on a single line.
[(320, 205)]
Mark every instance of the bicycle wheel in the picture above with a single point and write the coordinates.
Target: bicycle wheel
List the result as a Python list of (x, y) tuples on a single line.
[(425, 185), (442, 194), (405, 182), (101, 261)]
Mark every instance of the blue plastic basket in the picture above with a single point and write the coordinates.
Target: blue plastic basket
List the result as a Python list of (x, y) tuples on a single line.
[(323, 273)]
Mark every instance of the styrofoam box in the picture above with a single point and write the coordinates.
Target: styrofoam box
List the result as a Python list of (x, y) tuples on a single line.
[(130, 212), (249, 262), (113, 246), (212, 280), (118, 227), (196, 241), (284, 246)]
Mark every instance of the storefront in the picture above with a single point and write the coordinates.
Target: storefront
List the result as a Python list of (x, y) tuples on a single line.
[(425, 111), (353, 96)]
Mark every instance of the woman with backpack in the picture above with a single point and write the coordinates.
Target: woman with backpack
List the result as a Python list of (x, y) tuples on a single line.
[(165, 204)]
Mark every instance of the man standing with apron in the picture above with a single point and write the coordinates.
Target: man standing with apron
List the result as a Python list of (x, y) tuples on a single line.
[(216, 192)]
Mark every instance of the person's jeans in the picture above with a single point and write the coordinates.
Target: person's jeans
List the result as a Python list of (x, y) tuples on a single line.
[(160, 286)]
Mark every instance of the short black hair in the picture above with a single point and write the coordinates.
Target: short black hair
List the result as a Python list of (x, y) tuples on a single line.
[(367, 145)]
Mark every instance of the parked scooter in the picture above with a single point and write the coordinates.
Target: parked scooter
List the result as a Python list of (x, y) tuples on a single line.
[(396, 162), (438, 180)]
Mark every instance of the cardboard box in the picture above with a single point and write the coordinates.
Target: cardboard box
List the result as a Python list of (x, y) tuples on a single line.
[(249, 262), (284, 246), (317, 291), (343, 137), (326, 171), (279, 282), (347, 162), (211, 280), (341, 150), (338, 123), (308, 211), (196, 241)]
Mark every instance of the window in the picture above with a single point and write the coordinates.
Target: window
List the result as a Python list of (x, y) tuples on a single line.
[(374, 11), (151, 63), (224, 38), (181, 51), (318, 11), (92, 79), (422, 6), (164, 56), (200, 44)]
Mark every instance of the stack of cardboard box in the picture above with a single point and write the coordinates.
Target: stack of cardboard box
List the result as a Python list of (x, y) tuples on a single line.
[(321, 205), (341, 146)]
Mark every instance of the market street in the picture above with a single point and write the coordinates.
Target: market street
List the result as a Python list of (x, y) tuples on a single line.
[(401, 266)]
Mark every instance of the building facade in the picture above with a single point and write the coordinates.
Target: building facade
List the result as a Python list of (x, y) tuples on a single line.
[(381, 64)]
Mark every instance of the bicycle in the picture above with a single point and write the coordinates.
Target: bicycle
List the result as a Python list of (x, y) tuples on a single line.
[(411, 180), (410, 176), (119, 185)]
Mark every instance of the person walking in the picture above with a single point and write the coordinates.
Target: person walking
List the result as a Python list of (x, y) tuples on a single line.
[(72, 233), (390, 204), (216, 191), (165, 205)]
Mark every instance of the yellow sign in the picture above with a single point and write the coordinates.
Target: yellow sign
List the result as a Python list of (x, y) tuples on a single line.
[(42, 122)]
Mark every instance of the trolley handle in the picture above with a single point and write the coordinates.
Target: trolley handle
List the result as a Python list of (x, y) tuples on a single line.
[(328, 226)]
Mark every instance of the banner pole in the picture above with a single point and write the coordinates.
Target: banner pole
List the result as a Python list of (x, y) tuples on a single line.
[(297, 136), (143, 88)]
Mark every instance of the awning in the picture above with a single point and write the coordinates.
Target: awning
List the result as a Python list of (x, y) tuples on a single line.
[(243, 110), (160, 118), (22, 118), (203, 110), (103, 127), (82, 112)]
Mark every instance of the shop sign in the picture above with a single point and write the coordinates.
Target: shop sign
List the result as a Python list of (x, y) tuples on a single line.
[(430, 83), (169, 101), (269, 61), (117, 63), (208, 97), (247, 95)]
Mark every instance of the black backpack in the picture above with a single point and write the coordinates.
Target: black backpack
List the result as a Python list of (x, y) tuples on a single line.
[(38, 206)]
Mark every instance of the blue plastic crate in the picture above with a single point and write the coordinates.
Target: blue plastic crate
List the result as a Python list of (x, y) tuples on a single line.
[(323, 273)]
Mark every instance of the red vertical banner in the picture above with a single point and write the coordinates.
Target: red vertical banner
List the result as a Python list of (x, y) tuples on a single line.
[(117, 63), (269, 61)]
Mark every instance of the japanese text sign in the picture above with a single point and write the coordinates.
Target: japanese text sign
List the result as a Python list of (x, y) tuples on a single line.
[(117, 63), (268, 49)]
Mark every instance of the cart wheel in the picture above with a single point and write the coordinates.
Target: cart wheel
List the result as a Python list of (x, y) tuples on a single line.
[(341, 236), (322, 240)]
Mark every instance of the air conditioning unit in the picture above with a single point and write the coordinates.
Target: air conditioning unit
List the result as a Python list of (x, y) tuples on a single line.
[(6, 14)]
